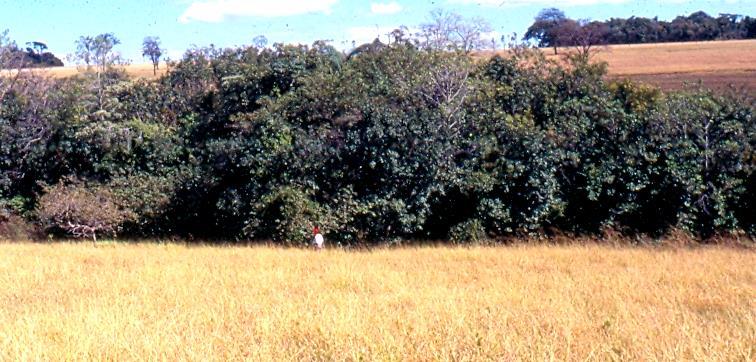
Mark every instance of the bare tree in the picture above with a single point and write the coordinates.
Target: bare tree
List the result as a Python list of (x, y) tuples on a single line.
[(444, 84), (82, 211), (450, 31), (151, 49)]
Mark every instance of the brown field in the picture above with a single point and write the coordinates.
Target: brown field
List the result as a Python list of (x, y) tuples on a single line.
[(136, 70), (174, 302), (717, 64)]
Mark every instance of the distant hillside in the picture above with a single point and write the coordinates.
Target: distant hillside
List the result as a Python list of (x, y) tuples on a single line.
[(717, 64), (552, 28), (34, 56)]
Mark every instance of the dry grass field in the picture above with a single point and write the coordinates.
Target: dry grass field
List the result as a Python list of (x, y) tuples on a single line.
[(717, 64), (143, 70), (173, 302)]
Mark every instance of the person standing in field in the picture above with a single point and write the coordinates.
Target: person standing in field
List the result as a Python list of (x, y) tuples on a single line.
[(317, 241)]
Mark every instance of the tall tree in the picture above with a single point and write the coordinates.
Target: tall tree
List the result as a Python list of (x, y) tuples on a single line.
[(85, 50), (103, 51), (448, 30), (36, 47), (151, 49), (546, 28), (98, 50)]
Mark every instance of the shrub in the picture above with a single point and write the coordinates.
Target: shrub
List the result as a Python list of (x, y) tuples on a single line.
[(286, 215), (470, 231), (15, 228), (393, 142), (81, 210)]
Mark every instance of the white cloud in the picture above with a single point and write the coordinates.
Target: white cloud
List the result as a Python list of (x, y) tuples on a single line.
[(385, 8), (217, 10)]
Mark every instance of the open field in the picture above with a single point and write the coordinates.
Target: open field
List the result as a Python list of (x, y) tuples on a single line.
[(716, 64), (142, 70), (668, 65), (173, 302)]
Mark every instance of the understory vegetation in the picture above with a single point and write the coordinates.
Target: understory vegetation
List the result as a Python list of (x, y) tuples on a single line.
[(388, 142)]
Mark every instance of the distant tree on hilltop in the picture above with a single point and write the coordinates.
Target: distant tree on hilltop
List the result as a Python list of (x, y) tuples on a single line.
[(546, 28), (34, 56), (552, 28)]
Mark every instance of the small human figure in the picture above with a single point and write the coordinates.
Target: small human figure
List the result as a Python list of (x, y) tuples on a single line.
[(317, 241)]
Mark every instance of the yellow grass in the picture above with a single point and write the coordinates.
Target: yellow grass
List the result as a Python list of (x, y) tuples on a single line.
[(172, 302), (143, 70), (666, 58), (694, 57), (668, 65)]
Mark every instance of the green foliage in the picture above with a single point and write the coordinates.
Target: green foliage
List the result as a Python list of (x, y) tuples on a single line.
[(551, 28), (151, 49), (470, 231), (286, 215), (391, 142)]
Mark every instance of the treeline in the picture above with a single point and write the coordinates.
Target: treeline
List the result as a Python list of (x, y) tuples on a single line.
[(35, 55), (392, 142), (552, 28)]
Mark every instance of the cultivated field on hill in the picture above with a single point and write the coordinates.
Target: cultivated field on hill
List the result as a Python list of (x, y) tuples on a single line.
[(175, 302), (717, 64), (668, 65)]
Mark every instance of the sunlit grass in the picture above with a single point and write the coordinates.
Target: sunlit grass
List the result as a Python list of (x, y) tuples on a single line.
[(151, 301), (670, 65)]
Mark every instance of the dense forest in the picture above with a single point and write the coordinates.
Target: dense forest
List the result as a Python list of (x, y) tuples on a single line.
[(390, 142), (552, 28)]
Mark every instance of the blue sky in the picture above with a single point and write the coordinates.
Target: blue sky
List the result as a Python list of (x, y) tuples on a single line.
[(183, 23)]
